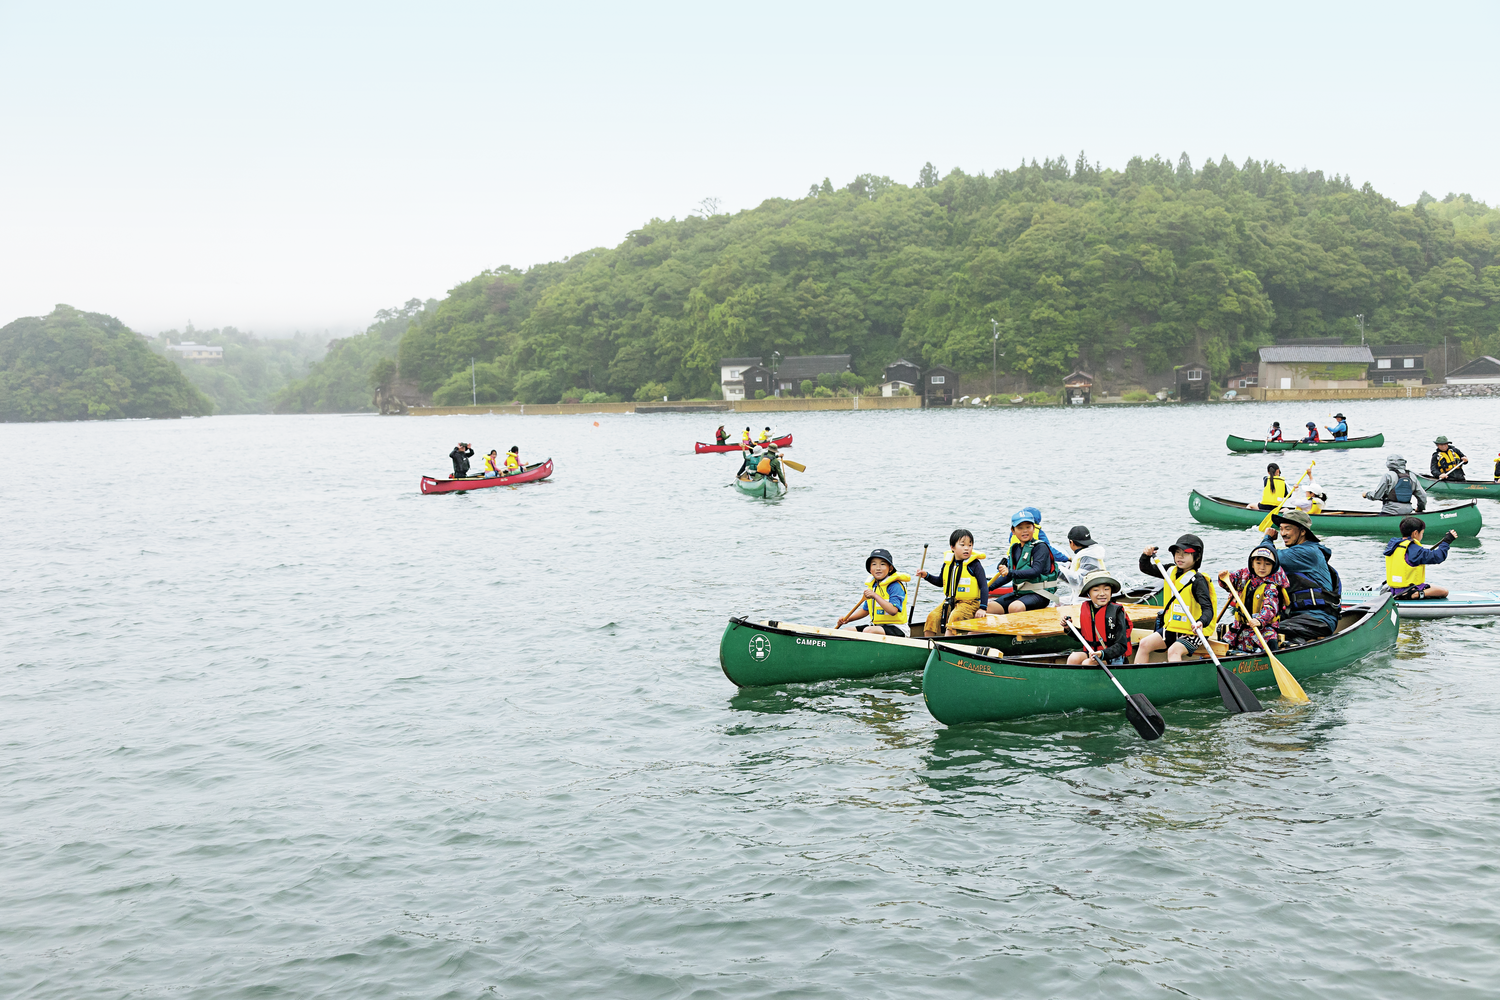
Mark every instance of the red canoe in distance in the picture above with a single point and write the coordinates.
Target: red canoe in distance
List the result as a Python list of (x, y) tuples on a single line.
[(699, 448), (529, 474)]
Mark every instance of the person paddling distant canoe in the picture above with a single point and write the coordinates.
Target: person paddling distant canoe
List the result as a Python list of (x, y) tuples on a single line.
[(765, 436), (1274, 434), (1312, 433), (1340, 430), (721, 435), (885, 595), (1273, 488), (491, 469), (461, 456), (1447, 461), (1407, 559), (745, 438), (513, 459)]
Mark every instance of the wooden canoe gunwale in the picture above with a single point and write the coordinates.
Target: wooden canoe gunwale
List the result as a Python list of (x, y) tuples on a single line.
[(1243, 444)]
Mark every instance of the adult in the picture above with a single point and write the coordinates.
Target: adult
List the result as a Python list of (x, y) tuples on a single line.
[(1340, 430), (770, 464), (1274, 434), (1314, 589), (1312, 434), (461, 456), (1273, 488), (1030, 566), (1088, 558), (721, 435), (1397, 489), (1447, 461)]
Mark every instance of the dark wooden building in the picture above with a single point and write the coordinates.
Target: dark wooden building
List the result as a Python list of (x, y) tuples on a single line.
[(1078, 388), (791, 373), (1192, 381), (756, 378), (900, 375), (939, 384)]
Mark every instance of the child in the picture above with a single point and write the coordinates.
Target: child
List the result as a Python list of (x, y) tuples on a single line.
[(745, 438), (1273, 488), (513, 459), (1274, 434), (765, 436), (491, 469), (1174, 628), (963, 583), (1263, 586), (1104, 624), (1312, 433), (1030, 565), (885, 596), (1407, 559)]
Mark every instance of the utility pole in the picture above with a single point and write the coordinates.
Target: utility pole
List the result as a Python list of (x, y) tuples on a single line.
[(994, 356), (473, 385), (1361, 320)]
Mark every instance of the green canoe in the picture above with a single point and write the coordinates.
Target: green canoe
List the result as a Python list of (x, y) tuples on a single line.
[(759, 653), (754, 484), (1237, 443), (1463, 518), (1470, 490), (966, 685)]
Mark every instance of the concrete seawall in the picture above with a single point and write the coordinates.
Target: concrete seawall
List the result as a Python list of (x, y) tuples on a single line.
[(684, 406)]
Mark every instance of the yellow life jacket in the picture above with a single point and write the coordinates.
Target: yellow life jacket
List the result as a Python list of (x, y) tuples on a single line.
[(512, 461), (1448, 460), (1255, 597), (1398, 575), (765, 436), (745, 437), (962, 586), (1273, 491), (1178, 620), (489, 464), (879, 615)]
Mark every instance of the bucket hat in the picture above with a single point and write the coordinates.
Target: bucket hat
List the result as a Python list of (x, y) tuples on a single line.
[(1298, 517), (1442, 439), (1097, 577), (880, 554)]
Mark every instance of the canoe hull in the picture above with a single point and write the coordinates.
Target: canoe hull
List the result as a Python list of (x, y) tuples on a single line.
[(962, 686), (1463, 518), (1458, 604), (699, 448), (1475, 489), (1237, 443), (530, 474), (760, 486), (757, 654)]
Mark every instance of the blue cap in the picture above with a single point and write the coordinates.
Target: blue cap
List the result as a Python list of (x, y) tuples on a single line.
[(1025, 514)]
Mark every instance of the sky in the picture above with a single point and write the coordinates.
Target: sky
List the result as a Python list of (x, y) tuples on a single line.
[(298, 166)]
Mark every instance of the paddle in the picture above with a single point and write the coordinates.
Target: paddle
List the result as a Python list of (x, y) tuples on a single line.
[(1265, 523), (1138, 708), (1237, 696), (796, 465), (1290, 689), (911, 608)]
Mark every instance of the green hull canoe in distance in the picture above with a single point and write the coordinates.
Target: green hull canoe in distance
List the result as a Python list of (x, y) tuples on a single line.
[(965, 685), (1463, 518), (758, 485), (1237, 443), (1473, 489), (762, 653)]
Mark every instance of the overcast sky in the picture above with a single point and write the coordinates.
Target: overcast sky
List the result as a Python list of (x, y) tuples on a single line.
[(279, 166)]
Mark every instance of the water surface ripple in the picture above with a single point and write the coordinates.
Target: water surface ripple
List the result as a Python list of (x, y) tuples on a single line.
[(274, 724)]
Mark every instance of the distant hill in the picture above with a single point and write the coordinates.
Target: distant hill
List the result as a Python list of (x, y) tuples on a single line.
[(1152, 265), (344, 380), (74, 365), (254, 369)]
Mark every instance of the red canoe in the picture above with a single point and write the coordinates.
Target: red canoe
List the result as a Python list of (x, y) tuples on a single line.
[(530, 474), (699, 448)]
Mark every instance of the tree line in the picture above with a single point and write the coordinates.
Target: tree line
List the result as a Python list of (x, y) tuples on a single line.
[(1073, 262)]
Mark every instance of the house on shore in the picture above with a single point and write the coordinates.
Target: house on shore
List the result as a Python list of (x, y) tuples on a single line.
[(731, 372), (1483, 370), (1192, 381), (939, 384), (1078, 388), (203, 354), (1320, 366), (900, 375), (792, 372), (1398, 364)]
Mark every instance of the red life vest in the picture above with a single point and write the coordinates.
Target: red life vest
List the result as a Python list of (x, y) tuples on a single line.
[(1095, 628)]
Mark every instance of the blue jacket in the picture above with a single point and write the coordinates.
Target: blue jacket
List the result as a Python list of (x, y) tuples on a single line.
[(1418, 554), (1340, 430), (1310, 561)]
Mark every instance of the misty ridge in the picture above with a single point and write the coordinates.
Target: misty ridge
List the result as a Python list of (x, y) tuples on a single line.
[(1078, 265)]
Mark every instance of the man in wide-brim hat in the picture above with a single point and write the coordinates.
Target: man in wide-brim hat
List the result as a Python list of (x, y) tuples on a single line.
[(1315, 592), (1447, 461)]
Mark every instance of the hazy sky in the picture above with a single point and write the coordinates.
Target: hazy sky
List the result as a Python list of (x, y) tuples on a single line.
[(299, 165)]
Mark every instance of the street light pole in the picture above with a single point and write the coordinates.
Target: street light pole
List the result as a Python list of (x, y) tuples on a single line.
[(1361, 318), (994, 356)]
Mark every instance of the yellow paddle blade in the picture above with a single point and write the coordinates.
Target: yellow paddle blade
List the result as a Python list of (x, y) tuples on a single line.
[(1290, 689), (795, 465)]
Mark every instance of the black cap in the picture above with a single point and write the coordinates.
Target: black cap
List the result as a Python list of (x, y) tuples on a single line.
[(1078, 533), (1188, 542), (880, 554)]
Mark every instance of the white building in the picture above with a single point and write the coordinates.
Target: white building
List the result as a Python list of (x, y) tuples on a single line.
[(201, 353), (731, 372), (1483, 370)]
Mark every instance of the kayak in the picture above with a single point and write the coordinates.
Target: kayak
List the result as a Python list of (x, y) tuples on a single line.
[(699, 448), (753, 484), (962, 684), (529, 474), (1463, 518), (1237, 443), (1471, 489), (1458, 604), (758, 653)]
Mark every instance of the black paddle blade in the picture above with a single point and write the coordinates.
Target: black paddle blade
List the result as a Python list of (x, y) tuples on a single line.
[(1236, 694), (1144, 717)]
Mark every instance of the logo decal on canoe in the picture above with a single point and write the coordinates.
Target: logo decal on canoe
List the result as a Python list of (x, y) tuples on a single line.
[(811, 642), (760, 649), (1444, 517), (1197, 503)]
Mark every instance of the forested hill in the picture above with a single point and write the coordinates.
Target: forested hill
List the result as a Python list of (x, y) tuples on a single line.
[(1074, 262), (74, 365)]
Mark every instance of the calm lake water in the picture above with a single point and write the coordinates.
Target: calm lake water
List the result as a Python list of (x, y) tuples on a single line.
[(276, 725)]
